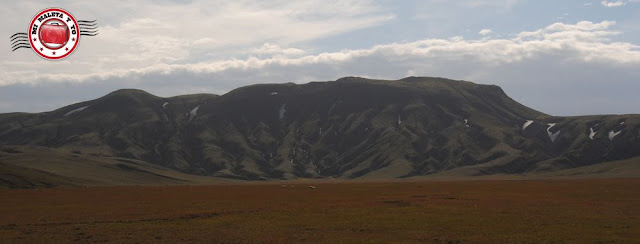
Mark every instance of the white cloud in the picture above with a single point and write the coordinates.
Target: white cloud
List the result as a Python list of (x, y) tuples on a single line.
[(171, 49), (485, 32), (139, 35), (274, 49), (581, 42), (610, 4), (584, 42)]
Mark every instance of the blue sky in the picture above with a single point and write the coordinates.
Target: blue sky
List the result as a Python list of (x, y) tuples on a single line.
[(559, 57)]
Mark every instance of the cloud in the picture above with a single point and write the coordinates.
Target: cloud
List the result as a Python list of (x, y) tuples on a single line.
[(618, 3), (269, 48), (610, 4), (485, 32), (584, 41), (144, 34), (178, 47), (570, 65)]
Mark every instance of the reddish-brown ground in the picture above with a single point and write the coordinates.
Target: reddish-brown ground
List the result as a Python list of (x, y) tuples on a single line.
[(558, 211)]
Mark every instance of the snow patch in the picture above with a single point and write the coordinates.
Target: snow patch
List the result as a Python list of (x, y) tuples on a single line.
[(527, 124), (613, 134), (164, 114), (273, 93), (193, 113), (331, 109), (466, 122), (282, 111), (622, 123), (592, 133), (552, 136), (399, 120), (75, 111)]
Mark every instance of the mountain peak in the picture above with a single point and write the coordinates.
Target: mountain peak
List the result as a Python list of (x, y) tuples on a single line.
[(130, 92)]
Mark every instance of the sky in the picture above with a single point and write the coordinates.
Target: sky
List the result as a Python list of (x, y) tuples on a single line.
[(559, 57)]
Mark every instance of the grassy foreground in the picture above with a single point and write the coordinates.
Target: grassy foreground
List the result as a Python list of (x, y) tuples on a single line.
[(558, 211)]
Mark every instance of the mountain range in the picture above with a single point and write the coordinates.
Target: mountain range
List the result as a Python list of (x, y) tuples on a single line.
[(351, 128)]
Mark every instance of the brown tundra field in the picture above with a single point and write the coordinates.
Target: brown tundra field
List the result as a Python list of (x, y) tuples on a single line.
[(516, 211)]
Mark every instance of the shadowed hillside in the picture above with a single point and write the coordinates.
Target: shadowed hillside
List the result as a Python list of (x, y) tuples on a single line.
[(349, 128)]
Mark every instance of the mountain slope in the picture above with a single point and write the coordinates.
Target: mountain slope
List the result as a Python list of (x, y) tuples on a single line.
[(349, 128), (28, 167)]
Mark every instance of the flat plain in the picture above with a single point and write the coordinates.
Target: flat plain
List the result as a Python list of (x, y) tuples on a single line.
[(487, 211)]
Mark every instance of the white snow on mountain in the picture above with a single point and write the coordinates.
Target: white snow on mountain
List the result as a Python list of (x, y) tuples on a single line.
[(331, 109), (282, 111), (552, 136), (193, 113), (75, 111), (527, 124), (613, 134)]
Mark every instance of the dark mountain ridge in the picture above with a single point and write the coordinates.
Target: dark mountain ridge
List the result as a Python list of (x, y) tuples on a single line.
[(349, 128)]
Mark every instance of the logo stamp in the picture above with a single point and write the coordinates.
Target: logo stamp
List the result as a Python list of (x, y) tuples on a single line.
[(54, 34)]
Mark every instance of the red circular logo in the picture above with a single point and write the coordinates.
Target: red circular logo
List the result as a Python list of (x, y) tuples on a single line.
[(54, 33)]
